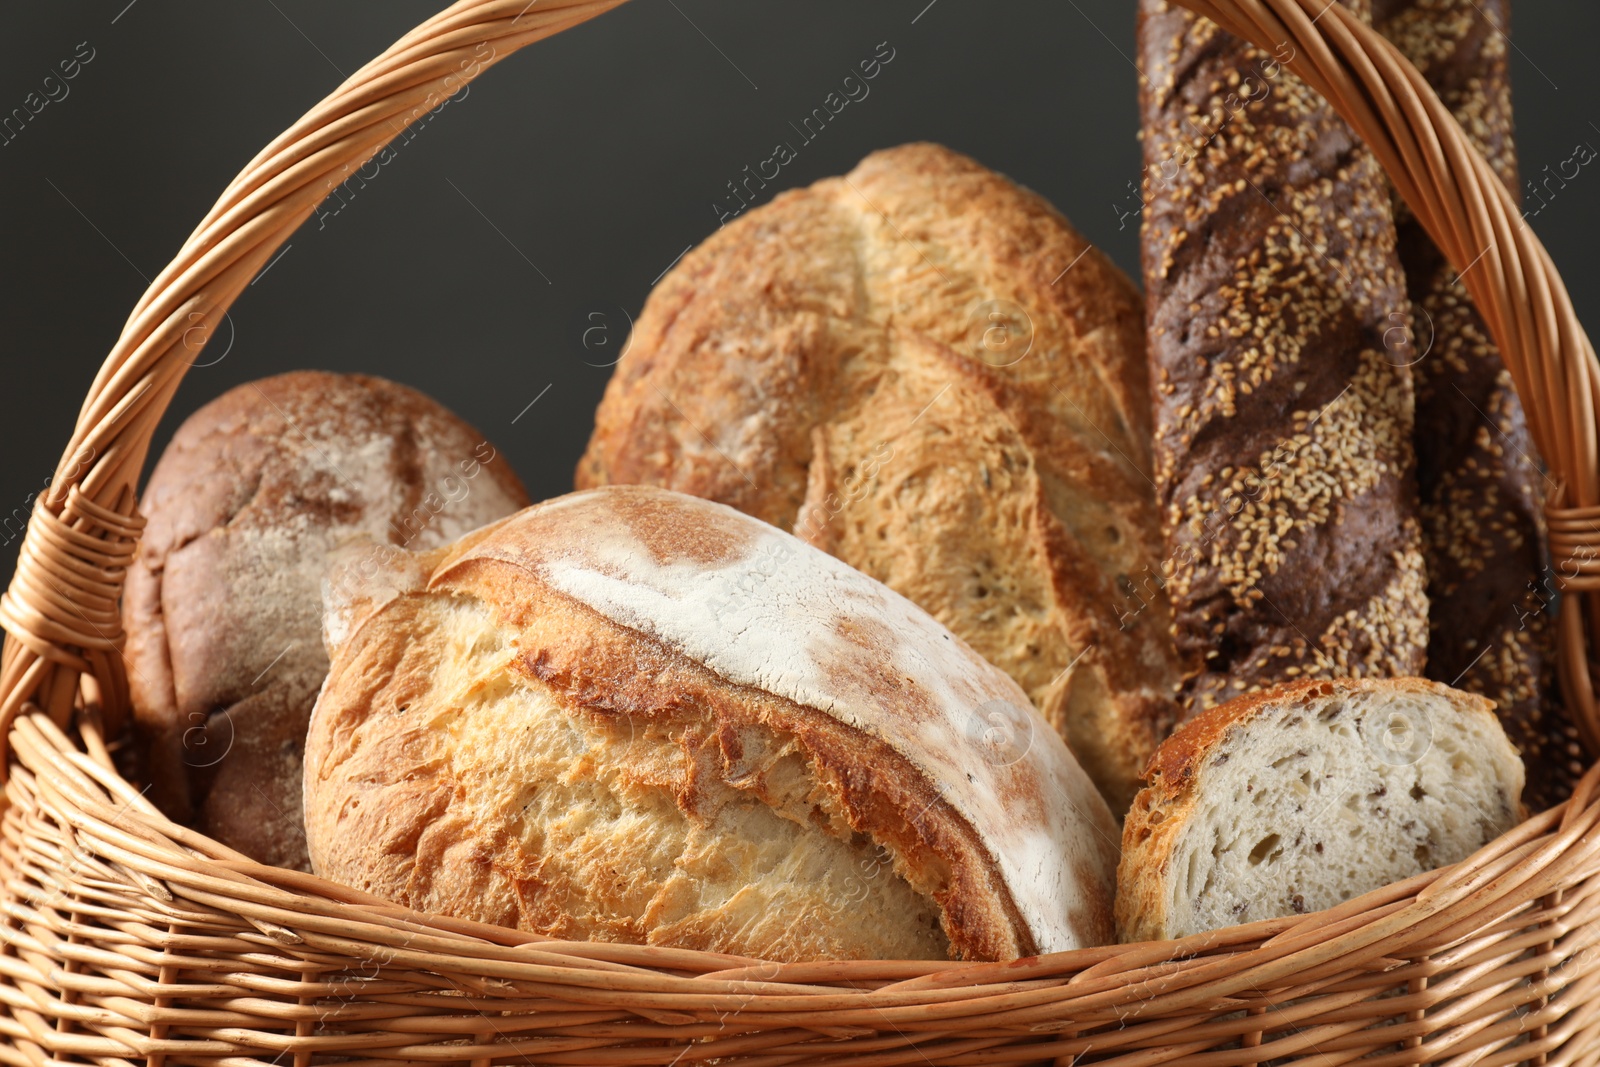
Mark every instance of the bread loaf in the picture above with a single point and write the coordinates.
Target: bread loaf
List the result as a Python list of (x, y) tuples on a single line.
[(633, 715), (1481, 481), (1283, 425), (924, 370), (223, 605), (1297, 798)]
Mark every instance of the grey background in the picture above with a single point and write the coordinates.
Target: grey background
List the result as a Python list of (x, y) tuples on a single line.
[(591, 160)]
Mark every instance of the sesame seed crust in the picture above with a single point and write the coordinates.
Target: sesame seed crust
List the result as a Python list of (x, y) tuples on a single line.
[(1480, 478), (1283, 413)]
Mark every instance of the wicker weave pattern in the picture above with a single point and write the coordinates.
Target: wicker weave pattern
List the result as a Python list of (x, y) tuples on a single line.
[(124, 937)]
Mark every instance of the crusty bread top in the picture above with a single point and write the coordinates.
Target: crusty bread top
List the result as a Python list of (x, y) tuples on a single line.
[(250, 497), (922, 368), (681, 571)]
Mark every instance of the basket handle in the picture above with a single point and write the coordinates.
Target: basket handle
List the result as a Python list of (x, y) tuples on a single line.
[(60, 614)]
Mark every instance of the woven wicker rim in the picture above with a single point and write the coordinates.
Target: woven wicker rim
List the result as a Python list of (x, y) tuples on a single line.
[(1510, 933)]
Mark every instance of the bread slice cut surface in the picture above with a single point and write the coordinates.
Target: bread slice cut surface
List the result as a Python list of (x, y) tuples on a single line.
[(1300, 797)]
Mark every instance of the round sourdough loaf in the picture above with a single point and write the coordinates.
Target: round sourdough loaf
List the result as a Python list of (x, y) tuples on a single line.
[(223, 607), (632, 715)]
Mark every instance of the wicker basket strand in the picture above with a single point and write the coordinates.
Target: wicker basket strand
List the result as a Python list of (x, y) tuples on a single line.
[(128, 938)]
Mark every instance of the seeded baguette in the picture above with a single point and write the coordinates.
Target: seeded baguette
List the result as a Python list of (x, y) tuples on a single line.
[(1282, 424), (1479, 475), (1301, 797)]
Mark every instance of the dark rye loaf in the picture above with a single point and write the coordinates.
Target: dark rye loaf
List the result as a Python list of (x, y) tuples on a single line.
[(1283, 425), (258, 493), (1478, 473)]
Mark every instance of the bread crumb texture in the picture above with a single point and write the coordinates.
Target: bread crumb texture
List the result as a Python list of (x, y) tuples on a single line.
[(1299, 798)]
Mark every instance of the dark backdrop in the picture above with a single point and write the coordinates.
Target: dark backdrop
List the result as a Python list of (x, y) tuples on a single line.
[(494, 261)]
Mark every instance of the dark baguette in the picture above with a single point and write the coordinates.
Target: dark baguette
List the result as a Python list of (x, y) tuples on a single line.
[(1282, 422), (1478, 473)]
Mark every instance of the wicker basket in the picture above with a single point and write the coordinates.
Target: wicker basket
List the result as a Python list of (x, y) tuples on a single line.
[(126, 937)]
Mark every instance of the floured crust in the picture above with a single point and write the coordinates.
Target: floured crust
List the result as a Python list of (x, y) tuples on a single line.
[(884, 363), (713, 639), (256, 493)]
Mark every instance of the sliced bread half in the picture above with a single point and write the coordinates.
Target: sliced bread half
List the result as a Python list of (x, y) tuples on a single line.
[(1294, 799)]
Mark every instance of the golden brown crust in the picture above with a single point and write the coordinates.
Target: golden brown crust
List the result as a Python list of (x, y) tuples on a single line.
[(1283, 424), (388, 813), (575, 633), (862, 362), (223, 609)]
